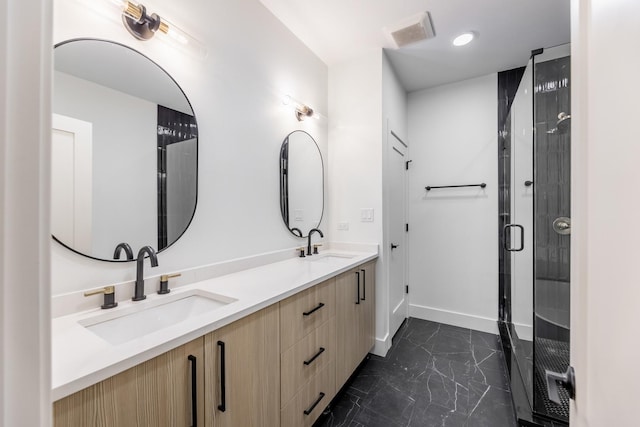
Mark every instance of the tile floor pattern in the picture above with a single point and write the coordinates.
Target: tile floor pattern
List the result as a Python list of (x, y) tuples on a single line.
[(434, 375)]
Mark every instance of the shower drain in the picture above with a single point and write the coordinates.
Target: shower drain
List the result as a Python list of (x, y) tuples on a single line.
[(554, 356)]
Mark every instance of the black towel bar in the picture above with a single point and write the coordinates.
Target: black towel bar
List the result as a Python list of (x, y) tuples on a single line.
[(455, 186)]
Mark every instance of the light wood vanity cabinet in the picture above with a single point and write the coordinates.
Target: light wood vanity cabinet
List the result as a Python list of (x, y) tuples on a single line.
[(355, 318), (242, 373), (308, 348), (279, 366), (155, 393)]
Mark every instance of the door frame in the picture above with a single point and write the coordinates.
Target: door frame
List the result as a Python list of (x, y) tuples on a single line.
[(403, 148)]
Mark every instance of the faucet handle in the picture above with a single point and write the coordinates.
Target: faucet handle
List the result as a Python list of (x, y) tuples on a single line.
[(164, 282), (109, 296), (315, 248), (302, 255)]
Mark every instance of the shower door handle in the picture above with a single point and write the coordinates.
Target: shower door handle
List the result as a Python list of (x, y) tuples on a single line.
[(567, 380), (506, 244)]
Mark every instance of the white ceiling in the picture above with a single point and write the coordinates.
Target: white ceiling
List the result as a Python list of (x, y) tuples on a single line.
[(508, 30)]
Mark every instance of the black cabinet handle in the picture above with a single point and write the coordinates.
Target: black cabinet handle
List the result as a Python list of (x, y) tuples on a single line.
[(358, 287), (364, 285), (393, 246), (223, 380), (194, 391), (312, 407), (315, 356), (307, 313), (505, 243)]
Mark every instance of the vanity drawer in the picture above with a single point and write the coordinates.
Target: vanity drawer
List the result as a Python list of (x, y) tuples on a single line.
[(305, 359), (305, 408), (304, 312)]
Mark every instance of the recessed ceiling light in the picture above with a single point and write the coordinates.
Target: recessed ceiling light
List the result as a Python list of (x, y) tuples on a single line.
[(463, 39)]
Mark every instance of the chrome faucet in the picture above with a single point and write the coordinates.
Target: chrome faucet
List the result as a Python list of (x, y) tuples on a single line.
[(127, 250), (309, 237), (138, 294)]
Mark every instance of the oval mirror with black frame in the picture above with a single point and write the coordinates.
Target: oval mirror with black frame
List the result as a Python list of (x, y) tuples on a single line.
[(124, 151), (301, 183)]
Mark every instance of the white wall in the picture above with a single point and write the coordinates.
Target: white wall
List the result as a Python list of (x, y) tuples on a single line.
[(605, 278), (25, 132), (236, 94), (124, 145), (363, 93), (453, 265), (355, 162), (394, 118)]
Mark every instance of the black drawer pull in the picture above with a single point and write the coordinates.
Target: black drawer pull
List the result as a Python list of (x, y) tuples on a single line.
[(307, 313), (310, 410), (194, 391), (358, 287), (223, 380), (315, 356), (364, 285)]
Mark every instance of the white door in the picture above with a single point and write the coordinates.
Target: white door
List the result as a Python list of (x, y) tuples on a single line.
[(397, 202), (605, 278), (71, 182)]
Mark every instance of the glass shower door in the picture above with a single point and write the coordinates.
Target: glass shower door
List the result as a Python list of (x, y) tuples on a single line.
[(552, 208), (519, 235), (537, 236)]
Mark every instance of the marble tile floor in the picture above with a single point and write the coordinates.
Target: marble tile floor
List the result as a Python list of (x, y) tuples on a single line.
[(433, 375)]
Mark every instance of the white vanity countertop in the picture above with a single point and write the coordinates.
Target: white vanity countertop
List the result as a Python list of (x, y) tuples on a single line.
[(81, 358)]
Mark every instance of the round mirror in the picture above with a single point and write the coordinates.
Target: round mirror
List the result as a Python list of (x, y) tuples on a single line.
[(124, 152), (301, 183)]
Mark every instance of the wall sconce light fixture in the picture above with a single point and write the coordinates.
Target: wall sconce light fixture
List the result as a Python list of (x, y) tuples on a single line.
[(144, 25), (301, 111)]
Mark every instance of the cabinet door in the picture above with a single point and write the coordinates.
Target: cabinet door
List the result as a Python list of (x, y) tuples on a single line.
[(155, 393), (242, 372), (368, 305), (348, 324)]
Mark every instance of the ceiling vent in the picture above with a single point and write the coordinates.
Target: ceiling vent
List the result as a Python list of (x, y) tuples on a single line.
[(411, 30)]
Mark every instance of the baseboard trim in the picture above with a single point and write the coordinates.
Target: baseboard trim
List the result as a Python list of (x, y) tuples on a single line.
[(477, 323), (382, 346), (525, 332)]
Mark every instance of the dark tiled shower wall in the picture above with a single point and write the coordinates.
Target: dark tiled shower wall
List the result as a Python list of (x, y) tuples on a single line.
[(508, 82), (552, 168), (552, 174), (173, 127)]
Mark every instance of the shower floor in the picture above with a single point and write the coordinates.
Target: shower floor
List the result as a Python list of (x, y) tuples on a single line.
[(554, 356)]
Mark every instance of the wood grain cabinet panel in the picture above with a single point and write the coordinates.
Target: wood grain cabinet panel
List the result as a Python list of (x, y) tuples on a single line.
[(308, 404), (305, 311), (155, 393), (246, 390), (355, 319), (305, 359)]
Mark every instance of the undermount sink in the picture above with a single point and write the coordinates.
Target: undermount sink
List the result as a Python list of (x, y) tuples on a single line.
[(329, 258), (136, 321)]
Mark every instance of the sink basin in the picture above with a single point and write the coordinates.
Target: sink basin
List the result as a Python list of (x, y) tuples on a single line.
[(329, 258), (134, 322)]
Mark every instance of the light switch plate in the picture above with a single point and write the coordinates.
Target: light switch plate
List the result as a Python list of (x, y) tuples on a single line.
[(343, 226), (366, 214)]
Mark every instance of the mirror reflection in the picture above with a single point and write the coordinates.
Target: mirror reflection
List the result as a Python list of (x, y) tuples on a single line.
[(124, 151), (301, 183)]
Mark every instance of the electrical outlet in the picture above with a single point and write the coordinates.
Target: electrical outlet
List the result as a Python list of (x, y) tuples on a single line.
[(343, 226), (366, 215)]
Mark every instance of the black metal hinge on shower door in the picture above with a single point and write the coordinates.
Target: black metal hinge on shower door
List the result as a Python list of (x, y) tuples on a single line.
[(406, 164), (406, 289), (406, 227)]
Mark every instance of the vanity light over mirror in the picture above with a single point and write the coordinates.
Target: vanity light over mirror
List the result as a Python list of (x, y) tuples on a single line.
[(301, 183), (124, 151)]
